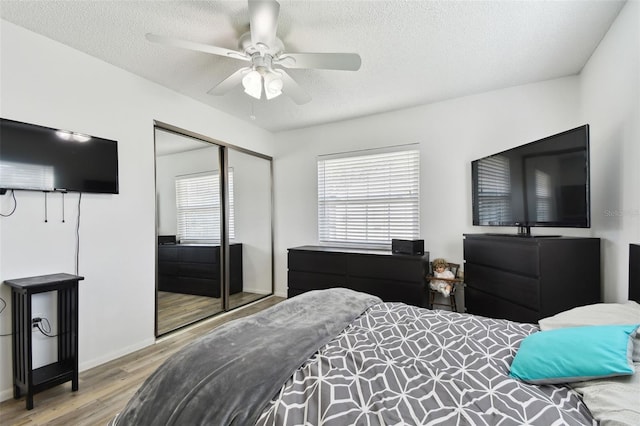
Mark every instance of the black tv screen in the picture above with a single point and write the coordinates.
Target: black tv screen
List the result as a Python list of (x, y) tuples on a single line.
[(542, 183), (40, 158)]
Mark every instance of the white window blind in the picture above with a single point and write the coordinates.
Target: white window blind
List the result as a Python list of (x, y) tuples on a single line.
[(198, 207), (494, 191), (366, 200)]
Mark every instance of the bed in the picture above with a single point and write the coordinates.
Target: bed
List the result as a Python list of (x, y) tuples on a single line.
[(339, 357)]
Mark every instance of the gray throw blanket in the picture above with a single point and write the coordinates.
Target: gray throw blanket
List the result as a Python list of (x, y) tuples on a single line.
[(229, 376)]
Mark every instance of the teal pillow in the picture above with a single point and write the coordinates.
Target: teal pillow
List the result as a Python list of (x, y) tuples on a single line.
[(575, 354)]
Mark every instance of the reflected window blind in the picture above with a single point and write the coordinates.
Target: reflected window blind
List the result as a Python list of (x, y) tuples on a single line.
[(366, 200), (20, 175), (543, 196), (198, 207), (494, 190)]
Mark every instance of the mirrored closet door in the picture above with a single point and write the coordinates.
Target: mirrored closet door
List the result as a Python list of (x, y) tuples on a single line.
[(214, 230), (250, 225)]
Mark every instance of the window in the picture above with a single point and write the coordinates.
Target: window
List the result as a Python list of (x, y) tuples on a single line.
[(198, 207), (494, 191), (368, 199)]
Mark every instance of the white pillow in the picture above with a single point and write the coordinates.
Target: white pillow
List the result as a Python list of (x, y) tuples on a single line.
[(598, 314), (614, 401)]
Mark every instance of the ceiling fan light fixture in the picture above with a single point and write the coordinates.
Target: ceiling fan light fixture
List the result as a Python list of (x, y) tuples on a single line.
[(272, 85), (252, 83)]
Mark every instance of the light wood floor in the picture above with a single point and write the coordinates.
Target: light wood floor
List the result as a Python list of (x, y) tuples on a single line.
[(176, 310), (105, 390)]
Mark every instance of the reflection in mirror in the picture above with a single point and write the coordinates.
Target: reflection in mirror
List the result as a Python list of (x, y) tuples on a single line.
[(250, 219), (188, 230)]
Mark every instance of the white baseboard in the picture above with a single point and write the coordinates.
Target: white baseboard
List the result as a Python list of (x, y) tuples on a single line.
[(117, 354), (6, 394), (86, 365)]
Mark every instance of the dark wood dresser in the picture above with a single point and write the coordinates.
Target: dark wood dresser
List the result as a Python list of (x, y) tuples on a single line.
[(195, 269), (526, 279), (392, 277)]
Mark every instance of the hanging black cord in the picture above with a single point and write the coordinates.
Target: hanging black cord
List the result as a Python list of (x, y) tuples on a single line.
[(15, 205), (45, 207), (45, 327), (63, 207)]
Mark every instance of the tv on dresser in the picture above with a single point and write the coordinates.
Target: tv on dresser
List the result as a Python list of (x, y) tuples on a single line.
[(541, 183)]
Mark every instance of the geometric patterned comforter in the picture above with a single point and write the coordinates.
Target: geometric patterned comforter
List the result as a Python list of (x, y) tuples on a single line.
[(402, 365)]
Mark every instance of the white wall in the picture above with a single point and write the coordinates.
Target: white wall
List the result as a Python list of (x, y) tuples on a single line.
[(451, 134), (44, 82), (610, 100), (605, 95)]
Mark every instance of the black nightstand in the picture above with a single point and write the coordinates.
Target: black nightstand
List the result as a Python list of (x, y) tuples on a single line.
[(25, 378)]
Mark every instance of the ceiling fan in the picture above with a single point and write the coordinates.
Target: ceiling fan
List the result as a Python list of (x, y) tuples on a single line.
[(267, 57)]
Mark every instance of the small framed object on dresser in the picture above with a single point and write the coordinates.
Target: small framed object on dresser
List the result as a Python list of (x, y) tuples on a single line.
[(525, 279)]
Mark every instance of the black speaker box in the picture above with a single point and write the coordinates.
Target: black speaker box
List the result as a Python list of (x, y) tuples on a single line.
[(166, 239), (415, 247)]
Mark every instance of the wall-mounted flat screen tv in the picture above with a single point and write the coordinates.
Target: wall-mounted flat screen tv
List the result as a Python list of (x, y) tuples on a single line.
[(40, 158), (542, 183)]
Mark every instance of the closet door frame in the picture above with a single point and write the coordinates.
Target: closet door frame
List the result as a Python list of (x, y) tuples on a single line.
[(224, 217)]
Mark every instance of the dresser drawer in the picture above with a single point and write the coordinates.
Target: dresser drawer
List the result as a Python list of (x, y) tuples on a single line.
[(397, 268), (198, 254), (521, 258), (487, 305), (167, 268), (519, 289), (168, 252), (411, 293), (310, 261), (314, 280), (199, 270)]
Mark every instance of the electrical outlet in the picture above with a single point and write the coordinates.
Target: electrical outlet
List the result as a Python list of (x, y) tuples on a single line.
[(34, 322)]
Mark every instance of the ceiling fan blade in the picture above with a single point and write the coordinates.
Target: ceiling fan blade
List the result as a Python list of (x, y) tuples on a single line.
[(292, 89), (263, 21), (326, 61), (198, 47), (228, 83)]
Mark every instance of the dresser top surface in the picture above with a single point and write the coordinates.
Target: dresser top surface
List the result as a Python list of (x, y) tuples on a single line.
[(328, 249), (524, 239)]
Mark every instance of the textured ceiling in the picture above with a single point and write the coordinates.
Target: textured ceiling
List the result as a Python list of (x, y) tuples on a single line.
[(413, 52)]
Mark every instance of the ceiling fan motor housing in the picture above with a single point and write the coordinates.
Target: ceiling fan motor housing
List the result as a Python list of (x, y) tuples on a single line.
[(247, 46)]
